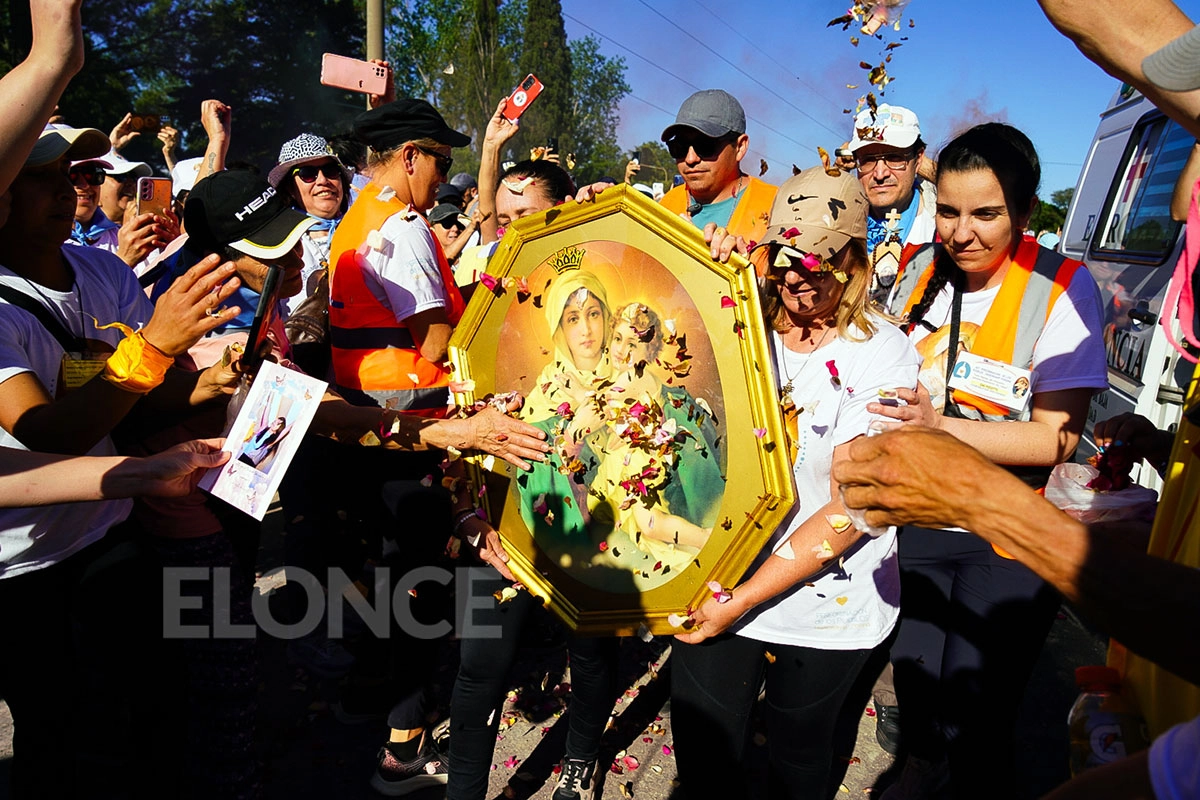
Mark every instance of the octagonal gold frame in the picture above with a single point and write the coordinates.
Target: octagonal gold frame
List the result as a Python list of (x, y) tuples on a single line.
[(758, 489)]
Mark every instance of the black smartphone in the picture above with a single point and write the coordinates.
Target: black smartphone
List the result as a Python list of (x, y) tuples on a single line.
[(552, 143), (259, 343)]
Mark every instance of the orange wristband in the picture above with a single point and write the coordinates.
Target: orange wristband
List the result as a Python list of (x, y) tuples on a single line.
[(137, 366)]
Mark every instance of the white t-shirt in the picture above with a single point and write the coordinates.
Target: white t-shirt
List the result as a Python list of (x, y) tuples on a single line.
[(854, 607), (404, 273), (106, 289), (1069, 353), (1174, 767)]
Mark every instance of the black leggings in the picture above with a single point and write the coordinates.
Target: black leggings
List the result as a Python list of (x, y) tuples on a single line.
[(713, 689), (83, 646), (482, 683), (972, 624)]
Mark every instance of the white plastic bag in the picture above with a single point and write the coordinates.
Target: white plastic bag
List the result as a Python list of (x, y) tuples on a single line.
[(1068, 489)]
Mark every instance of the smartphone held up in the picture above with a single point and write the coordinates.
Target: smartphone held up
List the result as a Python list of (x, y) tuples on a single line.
[(522, 97), (353, 75), (153, 196)]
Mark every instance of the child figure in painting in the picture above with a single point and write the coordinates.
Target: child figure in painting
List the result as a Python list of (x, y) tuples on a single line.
[(660, 479)]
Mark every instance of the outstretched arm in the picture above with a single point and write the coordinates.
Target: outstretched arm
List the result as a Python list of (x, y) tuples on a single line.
[(38, 479), (1118, 35), (30, 91), (890, 477), (499, 131)]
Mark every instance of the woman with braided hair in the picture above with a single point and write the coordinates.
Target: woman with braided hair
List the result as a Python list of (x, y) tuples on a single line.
[(988, 302)]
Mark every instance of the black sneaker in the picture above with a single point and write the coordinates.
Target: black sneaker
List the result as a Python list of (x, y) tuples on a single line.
[(396, 778), (577, 780), (887, 728)]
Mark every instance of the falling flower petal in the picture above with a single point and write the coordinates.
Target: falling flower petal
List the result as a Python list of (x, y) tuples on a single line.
[(760, 432), (727, 301), (677, 620), (489, 282)]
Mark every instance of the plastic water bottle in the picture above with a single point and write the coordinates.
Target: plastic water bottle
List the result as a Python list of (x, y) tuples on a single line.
[(1103, 725), (856, 515)]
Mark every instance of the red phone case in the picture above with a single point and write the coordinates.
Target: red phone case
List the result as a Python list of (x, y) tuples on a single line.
[(522, 98), (350, 73)]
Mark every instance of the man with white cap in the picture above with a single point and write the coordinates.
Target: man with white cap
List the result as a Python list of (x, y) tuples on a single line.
[(708, 142), (887, 150), (120, 184)]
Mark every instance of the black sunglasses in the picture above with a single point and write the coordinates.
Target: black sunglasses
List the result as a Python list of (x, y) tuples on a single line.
[(308, 172), (94, 175), (444, 163), (706, 147)]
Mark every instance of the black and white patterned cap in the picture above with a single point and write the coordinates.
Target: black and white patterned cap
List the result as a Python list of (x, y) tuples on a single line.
[(304, 149)]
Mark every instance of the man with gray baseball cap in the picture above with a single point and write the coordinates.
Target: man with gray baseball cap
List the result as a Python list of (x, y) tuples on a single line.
[(708, 142)]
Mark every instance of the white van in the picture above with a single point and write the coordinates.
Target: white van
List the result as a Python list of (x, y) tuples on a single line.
[(1119, 223)]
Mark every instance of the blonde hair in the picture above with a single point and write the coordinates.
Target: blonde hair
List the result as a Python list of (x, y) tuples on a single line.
[(854, 310), (642, 319), (381, 158)]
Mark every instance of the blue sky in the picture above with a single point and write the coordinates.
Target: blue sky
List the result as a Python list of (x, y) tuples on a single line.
[(963, 63)]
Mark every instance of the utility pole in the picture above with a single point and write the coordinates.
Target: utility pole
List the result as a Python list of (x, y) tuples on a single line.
[(374, 29), (374, 33)]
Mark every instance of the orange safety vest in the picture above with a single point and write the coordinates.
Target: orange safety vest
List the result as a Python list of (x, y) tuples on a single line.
[(1031, 287), (375, 359), (750, 215)]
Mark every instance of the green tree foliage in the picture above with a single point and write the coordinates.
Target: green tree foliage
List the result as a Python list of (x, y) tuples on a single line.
[(1062, 197), (423, 39), (263, 58), (1050, 216), (657, 165), (599, 85), (545, 53)]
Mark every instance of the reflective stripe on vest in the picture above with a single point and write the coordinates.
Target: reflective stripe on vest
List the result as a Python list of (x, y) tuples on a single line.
[(1015, 321), (375, 359), (750, 215)]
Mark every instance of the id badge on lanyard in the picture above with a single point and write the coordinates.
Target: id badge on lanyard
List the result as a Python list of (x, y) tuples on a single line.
[(994, 381)]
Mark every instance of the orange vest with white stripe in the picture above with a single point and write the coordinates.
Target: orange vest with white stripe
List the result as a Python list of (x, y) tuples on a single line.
[(1031, 287), (375, 359), (750, 215)]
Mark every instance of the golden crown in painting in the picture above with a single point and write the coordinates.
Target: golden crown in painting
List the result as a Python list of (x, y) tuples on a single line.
[(567, 258)]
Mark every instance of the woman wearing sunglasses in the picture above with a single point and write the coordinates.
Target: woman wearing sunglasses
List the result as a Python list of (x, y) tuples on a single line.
[(822, 596), (319, 186)]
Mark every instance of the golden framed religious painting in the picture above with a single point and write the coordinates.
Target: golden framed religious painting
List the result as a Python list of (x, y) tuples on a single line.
[(646, 363)]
